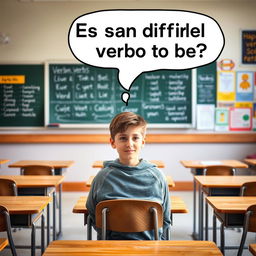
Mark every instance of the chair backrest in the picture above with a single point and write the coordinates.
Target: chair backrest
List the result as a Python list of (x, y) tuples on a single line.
[(248, 189), (219, 170), (252, 218), (129, 215), (5, 225), (8, 187), (37, 170)]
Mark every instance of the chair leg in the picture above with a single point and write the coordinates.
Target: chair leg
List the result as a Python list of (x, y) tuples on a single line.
[(104, 223), (154, 211), (245, 229), (214, 237), (9, 234), (89, 228), (222, 238)]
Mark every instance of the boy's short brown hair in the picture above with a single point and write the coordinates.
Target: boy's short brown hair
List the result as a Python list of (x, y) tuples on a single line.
[(122, 121)]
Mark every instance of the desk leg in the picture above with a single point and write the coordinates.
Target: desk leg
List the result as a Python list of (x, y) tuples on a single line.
[(54, 215), (42, 235), (214, 237), (48, 224), (89, 228), (206, 221), (33, 240), (201, 214), (60, 211), (194, 235)]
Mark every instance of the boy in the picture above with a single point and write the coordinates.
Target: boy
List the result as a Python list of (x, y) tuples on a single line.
[(129, 176)]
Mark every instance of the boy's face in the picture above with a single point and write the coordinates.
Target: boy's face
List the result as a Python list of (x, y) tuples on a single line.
[(128, 145)]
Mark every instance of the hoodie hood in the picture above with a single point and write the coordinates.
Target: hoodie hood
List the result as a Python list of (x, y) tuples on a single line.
[(116, 164)]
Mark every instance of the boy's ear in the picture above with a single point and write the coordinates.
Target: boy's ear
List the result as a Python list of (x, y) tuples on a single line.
[(143, 141), (112, 142)]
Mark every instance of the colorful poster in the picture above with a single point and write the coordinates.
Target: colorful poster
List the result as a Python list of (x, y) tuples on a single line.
[(221, 119), (243, 104), (248, 41), (226, 86), (240, 119), (254, 116), (244, 86), (205, 117)]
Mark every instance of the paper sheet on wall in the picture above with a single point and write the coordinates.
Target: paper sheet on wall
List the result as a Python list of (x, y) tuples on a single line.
[(221, 119), (226, 86), (205, 117)]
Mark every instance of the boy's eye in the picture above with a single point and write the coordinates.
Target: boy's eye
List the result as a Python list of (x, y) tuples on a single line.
[(122, 138)]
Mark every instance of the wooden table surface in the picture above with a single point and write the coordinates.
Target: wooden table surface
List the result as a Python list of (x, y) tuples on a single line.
[(34, 181), (252, 249), (158, 163), (203, 163), (177, 205), (3, 243), (25, 204), (250, 161), (169, 179), (3, 161), (134, 248), (231, 204), (223, 181), (53, 163)]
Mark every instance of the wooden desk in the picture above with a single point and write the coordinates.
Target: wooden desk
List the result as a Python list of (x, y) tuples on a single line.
[(25, 213), (250, 161), (196, 168), (158, 163), (38, 185), (3, 243), (3, 161), (230, 211), (217, 186), (169, 179), (59, 169), (252, 249), (134, 248)]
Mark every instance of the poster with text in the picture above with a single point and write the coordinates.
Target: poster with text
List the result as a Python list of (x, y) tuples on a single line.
[(221, 119), (205, 117), (226, 86)]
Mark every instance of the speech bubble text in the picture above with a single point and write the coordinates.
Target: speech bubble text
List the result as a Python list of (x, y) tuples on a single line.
[(136, 41)]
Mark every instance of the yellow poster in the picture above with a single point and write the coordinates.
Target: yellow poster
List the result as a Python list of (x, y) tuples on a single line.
[(226, 84)]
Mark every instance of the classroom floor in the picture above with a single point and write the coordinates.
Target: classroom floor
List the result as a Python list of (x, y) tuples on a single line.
[(73, 227)]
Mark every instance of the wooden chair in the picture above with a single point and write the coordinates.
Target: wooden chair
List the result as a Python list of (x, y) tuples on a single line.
[(129, 215), (8, 187), (219, 170), (249, 225), (224, 170), (3, 243), (37, 170), (248, 189), (5, 225)]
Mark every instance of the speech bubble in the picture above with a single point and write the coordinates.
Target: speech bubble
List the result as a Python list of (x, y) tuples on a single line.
[(137, 41)]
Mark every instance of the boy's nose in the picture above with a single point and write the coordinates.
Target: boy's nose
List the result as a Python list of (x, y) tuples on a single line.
[(129, 142)]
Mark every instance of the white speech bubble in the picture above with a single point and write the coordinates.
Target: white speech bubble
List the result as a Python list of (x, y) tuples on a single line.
[(136, 41)]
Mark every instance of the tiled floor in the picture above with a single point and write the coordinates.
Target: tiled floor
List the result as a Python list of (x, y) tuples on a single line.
[(73, 226)]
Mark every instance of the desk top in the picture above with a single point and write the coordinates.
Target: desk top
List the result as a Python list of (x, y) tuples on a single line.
[(252, 249), (35, 181), (3, 161), (169, 179), (203, 163), (3, 243), (25, 204), (158, 163), (125, 248), (250, 161), (231, 204), (177, 205), (55, 164), (223, 181)]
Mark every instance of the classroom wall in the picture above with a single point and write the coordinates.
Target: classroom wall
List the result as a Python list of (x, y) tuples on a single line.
[(38, 32)]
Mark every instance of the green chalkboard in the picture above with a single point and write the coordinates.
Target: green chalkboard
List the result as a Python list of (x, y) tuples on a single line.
[(82, 94), (206, 84), (22, 95)]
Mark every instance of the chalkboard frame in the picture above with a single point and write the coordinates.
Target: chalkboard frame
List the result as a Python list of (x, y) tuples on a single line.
[(106, 125)]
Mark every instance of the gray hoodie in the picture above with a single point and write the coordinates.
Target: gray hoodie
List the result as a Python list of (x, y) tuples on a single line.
[(117, 181)]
